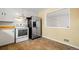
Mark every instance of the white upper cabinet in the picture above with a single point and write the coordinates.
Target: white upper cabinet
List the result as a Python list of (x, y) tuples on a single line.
[(9, 14), (6, 14), (17, 11)]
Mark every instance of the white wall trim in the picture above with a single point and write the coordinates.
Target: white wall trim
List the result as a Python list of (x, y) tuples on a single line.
[(61, 42)]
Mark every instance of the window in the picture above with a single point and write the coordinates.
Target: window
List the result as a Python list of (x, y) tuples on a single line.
[(58, 19)]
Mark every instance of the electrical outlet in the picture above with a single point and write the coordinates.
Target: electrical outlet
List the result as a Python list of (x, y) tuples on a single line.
[(66, 40)]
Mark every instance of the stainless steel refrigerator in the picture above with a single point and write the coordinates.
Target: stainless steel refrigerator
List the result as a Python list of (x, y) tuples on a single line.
[(35, 27)]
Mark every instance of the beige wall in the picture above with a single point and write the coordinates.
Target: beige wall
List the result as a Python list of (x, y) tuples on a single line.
[(59, 34)]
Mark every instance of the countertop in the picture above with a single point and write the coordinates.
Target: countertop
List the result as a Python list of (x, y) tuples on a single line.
[(7, 27)]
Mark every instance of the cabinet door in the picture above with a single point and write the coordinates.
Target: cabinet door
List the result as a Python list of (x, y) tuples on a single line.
[(6, 36), (8, 13), (17, 11), (1, 13), (13, 12)]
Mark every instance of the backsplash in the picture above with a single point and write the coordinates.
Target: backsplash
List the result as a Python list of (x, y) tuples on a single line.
[(5, 23), (16, 23)]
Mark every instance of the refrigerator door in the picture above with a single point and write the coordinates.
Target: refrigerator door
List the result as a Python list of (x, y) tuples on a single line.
[(36, 32), (38, 27)]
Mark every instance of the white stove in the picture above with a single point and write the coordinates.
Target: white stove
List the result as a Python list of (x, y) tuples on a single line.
[(22, 34)]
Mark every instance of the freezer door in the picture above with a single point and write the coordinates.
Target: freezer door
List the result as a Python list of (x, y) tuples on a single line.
[(36, 27)]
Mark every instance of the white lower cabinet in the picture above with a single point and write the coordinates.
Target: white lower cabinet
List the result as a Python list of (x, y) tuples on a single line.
[(6, 36)]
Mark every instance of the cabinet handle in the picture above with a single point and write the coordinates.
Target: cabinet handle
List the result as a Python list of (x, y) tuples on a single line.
[(2, 13)]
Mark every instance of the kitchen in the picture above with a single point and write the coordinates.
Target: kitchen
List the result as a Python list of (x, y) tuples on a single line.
[(14, 25), (39, 28)]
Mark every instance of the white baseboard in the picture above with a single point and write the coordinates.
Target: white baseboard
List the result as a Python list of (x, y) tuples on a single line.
[(61, 42)]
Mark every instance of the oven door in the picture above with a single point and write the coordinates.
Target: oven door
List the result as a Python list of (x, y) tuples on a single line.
[(21, 33)]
